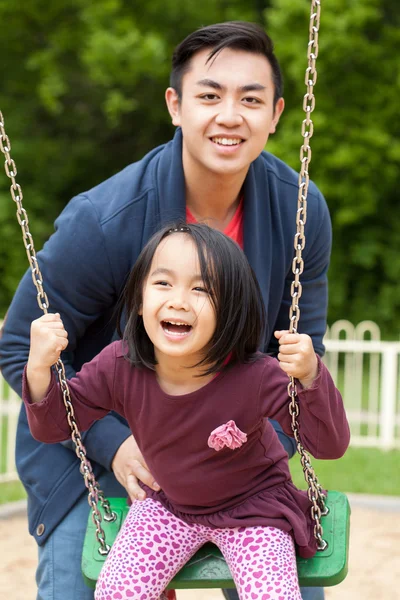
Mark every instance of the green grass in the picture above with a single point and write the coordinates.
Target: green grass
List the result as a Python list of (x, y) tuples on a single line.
[(361, 471), (12, 491)]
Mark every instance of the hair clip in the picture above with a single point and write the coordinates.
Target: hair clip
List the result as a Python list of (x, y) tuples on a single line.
[(179, 229)]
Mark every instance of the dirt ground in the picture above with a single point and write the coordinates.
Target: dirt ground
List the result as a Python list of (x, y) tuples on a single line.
[(374, 572)]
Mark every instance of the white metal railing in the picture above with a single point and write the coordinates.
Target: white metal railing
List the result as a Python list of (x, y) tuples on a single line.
[(10, 405), (365, 369)]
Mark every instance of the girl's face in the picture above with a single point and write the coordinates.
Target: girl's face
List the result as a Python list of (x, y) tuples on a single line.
[(177, 310)]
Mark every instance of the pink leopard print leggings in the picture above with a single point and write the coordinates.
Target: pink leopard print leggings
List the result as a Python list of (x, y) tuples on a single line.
[(153, 545)]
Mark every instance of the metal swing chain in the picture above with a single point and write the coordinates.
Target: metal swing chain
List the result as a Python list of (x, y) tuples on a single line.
[(315, 494), (95, 493)]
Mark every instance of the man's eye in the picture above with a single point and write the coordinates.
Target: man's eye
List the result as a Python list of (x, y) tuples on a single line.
[(209, 97), (251, 100)]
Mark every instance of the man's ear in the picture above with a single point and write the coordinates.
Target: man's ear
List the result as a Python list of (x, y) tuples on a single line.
[(173, 105), (279, 106)]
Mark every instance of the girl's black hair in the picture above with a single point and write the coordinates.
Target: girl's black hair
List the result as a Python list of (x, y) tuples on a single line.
[(234, 291)]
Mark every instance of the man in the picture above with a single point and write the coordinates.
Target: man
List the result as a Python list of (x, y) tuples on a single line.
[(225, 100)]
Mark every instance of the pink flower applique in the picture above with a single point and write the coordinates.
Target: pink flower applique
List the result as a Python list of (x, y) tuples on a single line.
[(228, 435)]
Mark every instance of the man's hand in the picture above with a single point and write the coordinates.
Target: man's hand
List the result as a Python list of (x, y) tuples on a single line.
[(129, 466)]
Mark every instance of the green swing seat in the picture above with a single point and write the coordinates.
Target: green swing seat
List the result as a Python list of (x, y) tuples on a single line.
[(207, 568)]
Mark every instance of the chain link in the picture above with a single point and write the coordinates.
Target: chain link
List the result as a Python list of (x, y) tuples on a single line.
[(95, 494), (315, 494)]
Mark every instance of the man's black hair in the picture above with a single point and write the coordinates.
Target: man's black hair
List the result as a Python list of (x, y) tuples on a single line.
[(234, 293), (236, 35)]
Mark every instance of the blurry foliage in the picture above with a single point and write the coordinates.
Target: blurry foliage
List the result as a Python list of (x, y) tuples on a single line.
[(82, 93), (356, 144)]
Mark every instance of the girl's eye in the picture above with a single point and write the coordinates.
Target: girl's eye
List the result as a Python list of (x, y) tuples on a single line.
[(163, 283), (200, 289)]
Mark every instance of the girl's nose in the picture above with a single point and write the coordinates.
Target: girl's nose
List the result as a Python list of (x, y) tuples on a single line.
[(179, 302)]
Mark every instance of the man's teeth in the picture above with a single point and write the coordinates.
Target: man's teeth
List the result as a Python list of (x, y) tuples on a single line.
[(227, 142)]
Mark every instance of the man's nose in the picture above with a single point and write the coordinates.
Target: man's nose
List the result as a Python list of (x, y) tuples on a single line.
[(229, 114)]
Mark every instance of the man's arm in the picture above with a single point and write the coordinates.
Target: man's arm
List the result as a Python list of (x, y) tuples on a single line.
[(314, 300), (80, 286)]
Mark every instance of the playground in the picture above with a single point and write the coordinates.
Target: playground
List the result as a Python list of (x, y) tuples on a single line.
[(374, 566), (365, 368)]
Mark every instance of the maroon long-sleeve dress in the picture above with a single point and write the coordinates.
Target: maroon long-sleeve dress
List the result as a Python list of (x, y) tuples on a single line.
[(249, 485)]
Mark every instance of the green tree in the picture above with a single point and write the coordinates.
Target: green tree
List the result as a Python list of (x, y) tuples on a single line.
[(82, 93), (356, 144)]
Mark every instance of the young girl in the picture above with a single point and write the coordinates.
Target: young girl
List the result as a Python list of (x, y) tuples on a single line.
[(197, 395)]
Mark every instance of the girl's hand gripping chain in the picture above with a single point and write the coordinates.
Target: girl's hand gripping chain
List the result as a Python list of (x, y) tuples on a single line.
[(297, 356), (48, 340)]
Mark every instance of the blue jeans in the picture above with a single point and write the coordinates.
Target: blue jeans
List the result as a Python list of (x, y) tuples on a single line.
[(58, 575)]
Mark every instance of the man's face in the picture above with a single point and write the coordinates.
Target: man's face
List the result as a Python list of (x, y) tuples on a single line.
[(226, 111)]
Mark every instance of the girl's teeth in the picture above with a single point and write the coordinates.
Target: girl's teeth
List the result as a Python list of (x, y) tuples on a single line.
[(173, 328), (177, 333)]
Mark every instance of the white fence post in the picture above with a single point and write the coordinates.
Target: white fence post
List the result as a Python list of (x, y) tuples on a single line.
[(10, 405), (388, 396)]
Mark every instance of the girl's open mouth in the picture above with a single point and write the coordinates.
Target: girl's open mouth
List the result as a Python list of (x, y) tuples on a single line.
[(176, 328)]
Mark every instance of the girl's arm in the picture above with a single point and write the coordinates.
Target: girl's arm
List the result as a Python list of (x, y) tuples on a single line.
[(323, 426), (92, 390)]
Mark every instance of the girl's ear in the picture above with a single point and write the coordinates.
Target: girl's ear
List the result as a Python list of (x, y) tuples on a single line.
[(140, 311)]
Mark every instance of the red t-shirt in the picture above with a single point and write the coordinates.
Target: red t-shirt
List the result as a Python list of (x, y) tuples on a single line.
[(234, 229)]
